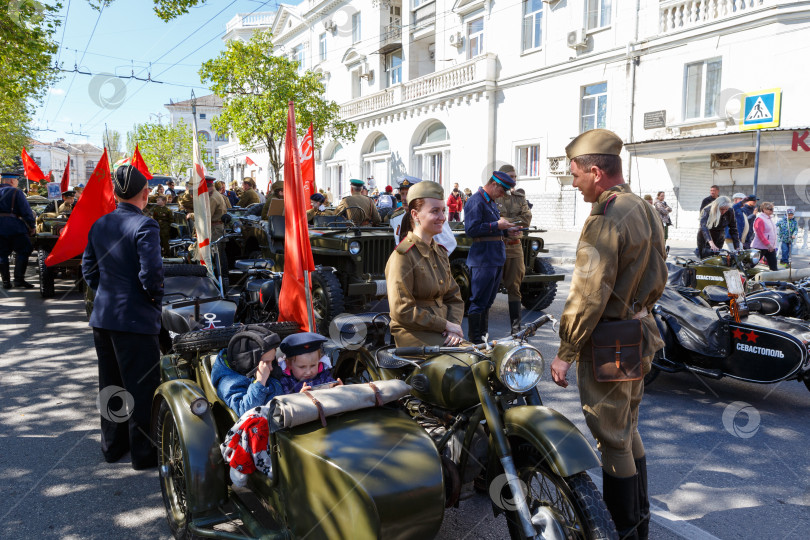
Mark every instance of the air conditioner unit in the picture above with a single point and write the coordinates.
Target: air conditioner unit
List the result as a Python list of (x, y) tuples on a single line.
[(368, 75), (329, 25), (456, 40), (577, 39), (732, 160), (559, 166)]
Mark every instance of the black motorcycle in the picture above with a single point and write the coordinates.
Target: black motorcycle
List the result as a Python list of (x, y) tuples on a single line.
[(708, 341), (259, 288), (780, 298)]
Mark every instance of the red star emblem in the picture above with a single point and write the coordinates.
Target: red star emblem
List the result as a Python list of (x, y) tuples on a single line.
[(751, 337), (738, 334)]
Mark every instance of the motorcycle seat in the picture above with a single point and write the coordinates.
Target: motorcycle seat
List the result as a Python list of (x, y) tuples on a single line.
[(716, 294), (247, 264)]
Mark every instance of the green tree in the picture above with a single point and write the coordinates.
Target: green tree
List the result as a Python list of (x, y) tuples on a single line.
[(165, 9), (26, 53), (166, 148), (257, 87)]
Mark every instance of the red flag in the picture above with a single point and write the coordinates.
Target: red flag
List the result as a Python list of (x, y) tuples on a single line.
[(308, 164), (66, 178), (96, 200), (297, 250), (139, 163), (50, 176), (32, 170), (249, 161)]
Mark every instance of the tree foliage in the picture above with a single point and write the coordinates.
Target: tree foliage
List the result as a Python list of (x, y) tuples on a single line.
[(257, 87), (165, 9), (166, 148), (26, 52)]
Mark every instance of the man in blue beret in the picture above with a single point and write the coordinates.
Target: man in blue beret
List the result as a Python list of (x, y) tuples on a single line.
[(358, 207), (16, 224), (483, 222)]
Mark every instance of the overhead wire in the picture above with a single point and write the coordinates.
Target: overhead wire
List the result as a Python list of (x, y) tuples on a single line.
[(58, 57)]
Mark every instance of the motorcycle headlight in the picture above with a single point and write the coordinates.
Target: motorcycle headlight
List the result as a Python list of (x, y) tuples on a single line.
[(354, 247), (237, 227), (520, 368), (535, 245), (755, 258)]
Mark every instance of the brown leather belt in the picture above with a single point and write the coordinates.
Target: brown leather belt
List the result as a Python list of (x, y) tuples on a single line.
[(488, 239), (512, 242)]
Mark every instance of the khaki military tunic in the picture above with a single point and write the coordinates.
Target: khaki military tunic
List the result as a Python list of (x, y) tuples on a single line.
[(422, 293), (164, 216), (218, 209), (65, 208), (620, 269), (368, 215), (247, 198), (513, 206), (266, 207), (311, 213), (186, 201)]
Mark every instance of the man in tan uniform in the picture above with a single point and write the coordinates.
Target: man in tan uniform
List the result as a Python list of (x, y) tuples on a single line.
[(219, 207), (249, 195), (358, 207), (620, 273), (69, 200), (514, 208), (317, 201), (276, 192)]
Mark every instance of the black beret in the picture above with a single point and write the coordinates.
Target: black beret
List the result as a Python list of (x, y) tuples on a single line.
[(302, 343), (317, 197), (128, 182)]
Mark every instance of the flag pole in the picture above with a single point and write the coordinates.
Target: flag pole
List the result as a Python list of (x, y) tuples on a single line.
[(308, 292)]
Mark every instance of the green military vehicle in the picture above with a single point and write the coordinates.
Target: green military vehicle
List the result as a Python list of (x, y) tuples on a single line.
[(49, 226)]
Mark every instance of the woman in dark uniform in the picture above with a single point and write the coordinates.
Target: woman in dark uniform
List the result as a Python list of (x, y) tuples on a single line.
[(425, 301)]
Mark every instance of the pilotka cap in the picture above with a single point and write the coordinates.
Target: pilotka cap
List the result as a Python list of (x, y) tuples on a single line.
[(595, 141), (426, 190)]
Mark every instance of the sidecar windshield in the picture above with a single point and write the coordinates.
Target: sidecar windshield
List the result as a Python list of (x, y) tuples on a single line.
[(190, 287)]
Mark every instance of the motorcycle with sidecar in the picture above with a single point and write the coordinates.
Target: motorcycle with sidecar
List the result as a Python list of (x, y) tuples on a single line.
[(709, 270), (481, 408), (710, 342)]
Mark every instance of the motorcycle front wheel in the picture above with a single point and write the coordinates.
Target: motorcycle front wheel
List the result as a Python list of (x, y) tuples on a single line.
[(573, 503)]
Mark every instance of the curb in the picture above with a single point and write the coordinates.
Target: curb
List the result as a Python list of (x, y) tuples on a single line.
[(562, 261)]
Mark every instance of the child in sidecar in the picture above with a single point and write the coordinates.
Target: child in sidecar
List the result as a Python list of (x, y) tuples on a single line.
[(304, 365)]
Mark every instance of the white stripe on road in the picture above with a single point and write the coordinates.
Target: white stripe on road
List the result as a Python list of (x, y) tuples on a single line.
[(668, 520)]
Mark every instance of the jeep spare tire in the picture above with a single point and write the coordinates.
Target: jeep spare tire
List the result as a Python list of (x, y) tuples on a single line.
[(218, 338), (539, 296), (327, 298)]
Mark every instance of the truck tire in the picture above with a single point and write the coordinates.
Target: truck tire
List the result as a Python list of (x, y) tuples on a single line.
[(218, 338), (46, 276), (541, 295), (327, 298), (461, 273), (174, 270)]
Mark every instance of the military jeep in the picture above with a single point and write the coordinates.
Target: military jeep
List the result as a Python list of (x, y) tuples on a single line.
[(350, 260), (539, 286), (49, 226)]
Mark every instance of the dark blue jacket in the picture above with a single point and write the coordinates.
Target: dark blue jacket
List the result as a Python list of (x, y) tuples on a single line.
[(122, 263), (239, 392), (9, 225), (739, 216), (481, 217)]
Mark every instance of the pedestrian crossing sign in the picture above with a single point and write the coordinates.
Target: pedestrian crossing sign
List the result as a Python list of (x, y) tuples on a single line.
[(761, 109)]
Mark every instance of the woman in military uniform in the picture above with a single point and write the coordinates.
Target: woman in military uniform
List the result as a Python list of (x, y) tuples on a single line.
[(425, 301)]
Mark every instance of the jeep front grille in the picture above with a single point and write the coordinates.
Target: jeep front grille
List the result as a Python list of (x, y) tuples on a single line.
[(375, 253), (528, 255)]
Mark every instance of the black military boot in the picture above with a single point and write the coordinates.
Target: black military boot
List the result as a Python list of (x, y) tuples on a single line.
[(6, 273), (20, 266), (622, 501), (474, 327), (484, 325), (643, 498), (514, 315)]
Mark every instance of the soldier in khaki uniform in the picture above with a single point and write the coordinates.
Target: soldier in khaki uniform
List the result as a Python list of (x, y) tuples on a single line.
[(219, 207), (620, 273), (367, 212), (318, 209), (164, 216), (276, 192), (404, 186), (67, 206), (513, 206), (425, 301), (249, 195)]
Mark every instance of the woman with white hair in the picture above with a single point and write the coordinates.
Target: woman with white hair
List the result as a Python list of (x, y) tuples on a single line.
[(714, 219)]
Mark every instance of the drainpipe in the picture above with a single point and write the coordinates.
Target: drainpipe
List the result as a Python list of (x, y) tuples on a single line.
[(634, 61)]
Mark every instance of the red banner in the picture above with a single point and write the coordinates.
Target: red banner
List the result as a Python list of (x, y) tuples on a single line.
[(96, 200), (66, 177), (249, 161), (139, 163), (308, 164), (297, 250), (32, 170)]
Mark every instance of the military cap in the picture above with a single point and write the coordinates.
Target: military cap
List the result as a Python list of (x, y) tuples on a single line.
[(128, 181), (317, 197), (751, 197), (302, 343), (357, 183), (426, 190), (595, 141), (69, 193), (277, 185), (503, 179), (409, 181), (210, 179)]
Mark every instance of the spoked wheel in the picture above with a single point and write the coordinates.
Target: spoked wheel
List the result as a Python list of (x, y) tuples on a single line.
[(540, 295), (570, 508), (172, 467)]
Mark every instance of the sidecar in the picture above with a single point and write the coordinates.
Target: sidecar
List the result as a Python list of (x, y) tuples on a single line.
[(709, 270), (707, 341), (368, 473)]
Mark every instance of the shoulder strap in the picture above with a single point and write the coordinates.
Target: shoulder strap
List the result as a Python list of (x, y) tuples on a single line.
[(601, 208)]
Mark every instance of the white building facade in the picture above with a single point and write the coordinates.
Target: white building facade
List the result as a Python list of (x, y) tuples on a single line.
[(54, 157), (207, 107), (448, 90)]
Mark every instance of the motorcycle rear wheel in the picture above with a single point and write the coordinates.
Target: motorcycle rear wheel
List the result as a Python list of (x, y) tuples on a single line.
[(574, 501)]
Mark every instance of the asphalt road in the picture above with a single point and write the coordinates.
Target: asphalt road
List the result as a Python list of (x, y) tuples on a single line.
[(745, 478)]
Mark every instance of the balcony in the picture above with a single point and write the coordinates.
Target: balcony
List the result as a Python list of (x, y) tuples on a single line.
[(478, 70), (391, 37), (244, 24), (679, 15), (424, 18)]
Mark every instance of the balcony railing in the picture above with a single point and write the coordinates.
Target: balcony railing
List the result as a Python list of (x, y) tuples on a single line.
[(250, 20), (479, 69), (678, 15)]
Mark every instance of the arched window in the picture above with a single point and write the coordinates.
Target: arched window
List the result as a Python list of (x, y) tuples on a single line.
[(431, 155), (336, 171), (203, 136), (377, 162)]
